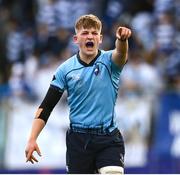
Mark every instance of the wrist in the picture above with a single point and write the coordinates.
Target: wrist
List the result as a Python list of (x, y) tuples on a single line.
[(122, 40), (32, 138)]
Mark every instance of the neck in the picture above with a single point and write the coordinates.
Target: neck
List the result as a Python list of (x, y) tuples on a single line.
[(87, 58)]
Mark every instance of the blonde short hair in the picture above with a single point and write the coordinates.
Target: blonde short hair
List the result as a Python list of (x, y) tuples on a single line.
[(88, 21)]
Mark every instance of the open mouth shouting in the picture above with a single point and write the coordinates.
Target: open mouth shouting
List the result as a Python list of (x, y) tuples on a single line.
[(89, 44)]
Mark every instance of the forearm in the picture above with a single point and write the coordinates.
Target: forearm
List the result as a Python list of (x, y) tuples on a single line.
[(37, 127), (121, 49), (120, 53), (52, 97)]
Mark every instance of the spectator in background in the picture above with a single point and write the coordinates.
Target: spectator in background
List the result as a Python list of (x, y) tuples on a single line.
[(142, 24), (58, 42), (165, 32), (14, 42), (41, 41), (172, 72), (46, 15), (28, 42), (61, 13)]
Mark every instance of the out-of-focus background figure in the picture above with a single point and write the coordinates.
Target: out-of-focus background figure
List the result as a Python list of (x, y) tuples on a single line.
[(36, 36)]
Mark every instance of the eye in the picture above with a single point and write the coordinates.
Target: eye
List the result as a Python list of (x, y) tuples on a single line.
[(95, 33), (84, 33)]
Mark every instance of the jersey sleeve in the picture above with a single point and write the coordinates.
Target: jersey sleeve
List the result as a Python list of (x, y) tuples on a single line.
[(59, 79), (113, 66)]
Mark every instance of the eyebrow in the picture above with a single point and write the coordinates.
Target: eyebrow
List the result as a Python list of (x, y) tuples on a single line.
[(90, 31)]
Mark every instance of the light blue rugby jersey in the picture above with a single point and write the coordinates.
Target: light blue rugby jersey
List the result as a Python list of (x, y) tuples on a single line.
[(92, 90)]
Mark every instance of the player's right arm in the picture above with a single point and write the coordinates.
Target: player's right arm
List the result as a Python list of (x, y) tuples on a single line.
[(52, 97)]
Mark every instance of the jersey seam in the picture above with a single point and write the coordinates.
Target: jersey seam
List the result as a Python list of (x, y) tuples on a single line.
[(109, 72)]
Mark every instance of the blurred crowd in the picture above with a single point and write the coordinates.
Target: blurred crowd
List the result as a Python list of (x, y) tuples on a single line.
[(36, 36)]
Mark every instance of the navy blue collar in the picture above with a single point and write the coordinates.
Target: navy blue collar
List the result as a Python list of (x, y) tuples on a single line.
[(91, 63)]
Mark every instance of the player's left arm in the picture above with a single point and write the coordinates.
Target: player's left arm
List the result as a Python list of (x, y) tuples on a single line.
[(120, 53)]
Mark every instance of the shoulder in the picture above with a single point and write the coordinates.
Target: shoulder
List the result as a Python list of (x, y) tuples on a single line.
[(106, 53), (105, 56), (67, 65)]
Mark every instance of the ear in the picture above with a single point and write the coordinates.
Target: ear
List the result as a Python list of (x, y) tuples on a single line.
[(75, 39), (101, 38)]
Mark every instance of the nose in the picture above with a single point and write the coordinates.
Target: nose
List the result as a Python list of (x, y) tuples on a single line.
[(90, 35)]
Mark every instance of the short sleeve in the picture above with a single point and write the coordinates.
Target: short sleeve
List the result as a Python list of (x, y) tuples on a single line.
[(59, 79), (115, 67)]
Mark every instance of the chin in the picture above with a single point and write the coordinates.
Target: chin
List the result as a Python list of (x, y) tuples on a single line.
[(90, 53)]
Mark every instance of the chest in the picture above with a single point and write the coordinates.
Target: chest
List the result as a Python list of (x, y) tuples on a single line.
[(88, 78)]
